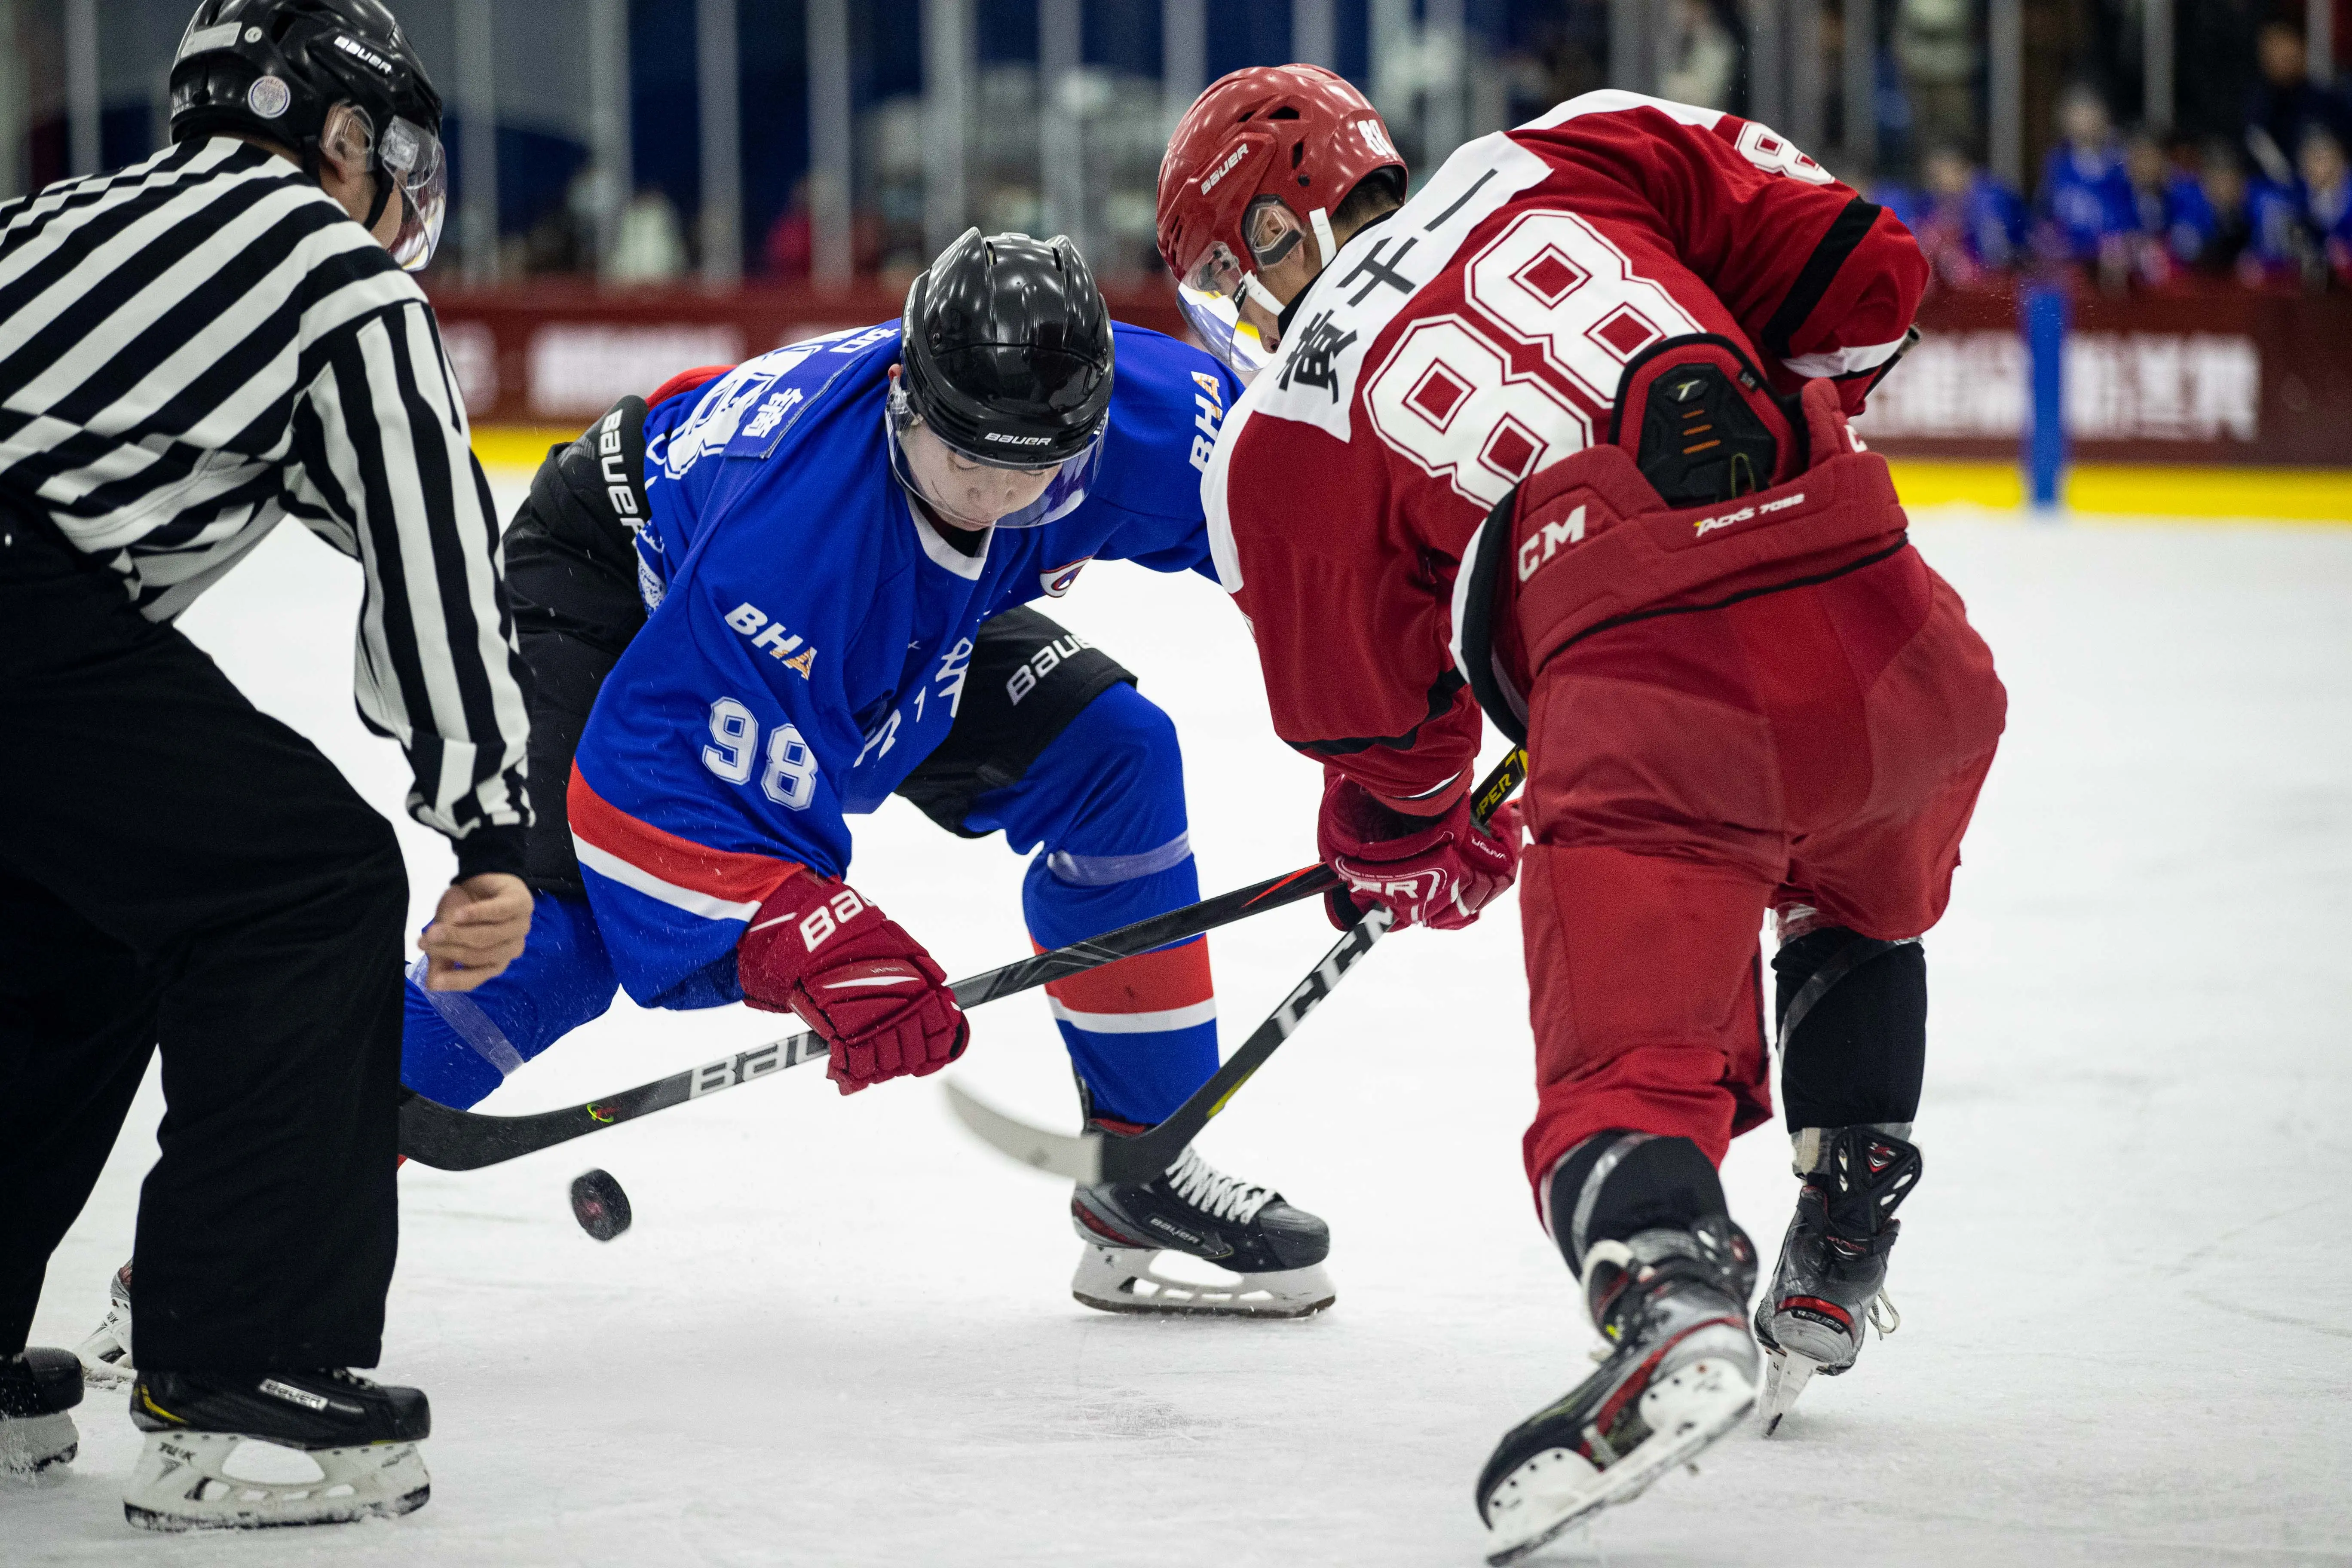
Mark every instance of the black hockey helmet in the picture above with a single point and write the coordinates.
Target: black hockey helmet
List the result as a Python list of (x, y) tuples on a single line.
[(1006, 351), (276, 68)]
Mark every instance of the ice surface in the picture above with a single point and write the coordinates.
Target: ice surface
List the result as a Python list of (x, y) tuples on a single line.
[(840, 1332)]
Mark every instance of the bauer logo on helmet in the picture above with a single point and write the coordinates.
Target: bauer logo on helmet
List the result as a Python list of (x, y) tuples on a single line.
[(1210, 180)]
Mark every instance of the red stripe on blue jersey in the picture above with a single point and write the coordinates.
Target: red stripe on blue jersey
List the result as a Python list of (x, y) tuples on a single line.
[(730, 875)]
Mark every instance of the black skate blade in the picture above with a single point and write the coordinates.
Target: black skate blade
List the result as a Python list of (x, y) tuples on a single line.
[(599, 1205), (1077, 1156)]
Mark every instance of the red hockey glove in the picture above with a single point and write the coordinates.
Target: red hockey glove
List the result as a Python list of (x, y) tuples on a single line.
[(1436, 872), (852, 973)]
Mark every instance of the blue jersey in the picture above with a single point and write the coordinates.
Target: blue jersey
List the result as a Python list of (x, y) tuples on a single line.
[(2087, 198), (809, 633)]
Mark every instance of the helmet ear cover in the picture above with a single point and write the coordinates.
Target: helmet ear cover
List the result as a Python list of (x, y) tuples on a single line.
[(345, 124), (1271, 230)]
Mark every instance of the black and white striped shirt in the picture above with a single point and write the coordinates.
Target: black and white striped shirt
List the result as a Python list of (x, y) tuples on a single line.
[(198, 346)]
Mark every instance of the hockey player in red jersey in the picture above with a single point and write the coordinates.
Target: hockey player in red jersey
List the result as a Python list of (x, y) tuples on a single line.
[(1564, 436)]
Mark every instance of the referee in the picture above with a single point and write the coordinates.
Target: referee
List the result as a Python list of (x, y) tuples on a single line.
[(192, 349)]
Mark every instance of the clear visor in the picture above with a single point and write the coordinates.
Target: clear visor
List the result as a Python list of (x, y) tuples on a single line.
[(1209, 295), (1063, 494), (412, 155)]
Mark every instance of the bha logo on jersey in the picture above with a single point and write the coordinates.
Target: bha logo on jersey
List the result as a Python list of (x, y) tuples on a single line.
[(1056, 580)]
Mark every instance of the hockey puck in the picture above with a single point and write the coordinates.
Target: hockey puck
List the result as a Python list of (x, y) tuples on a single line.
[(599, 1205)]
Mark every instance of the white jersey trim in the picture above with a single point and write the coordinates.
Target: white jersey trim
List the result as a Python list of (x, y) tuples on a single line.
[(1616, 101), (946, 556), (1136, 1023), (1847, 361), (606, 864)]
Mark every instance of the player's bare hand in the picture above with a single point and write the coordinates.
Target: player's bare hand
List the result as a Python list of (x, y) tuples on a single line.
[(478, 929)]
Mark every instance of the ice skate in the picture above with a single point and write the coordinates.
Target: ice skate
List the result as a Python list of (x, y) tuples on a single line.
[(1273, 1251), (106, 1354), (37, 1388), (1682, 1373), (1831, 1280), (235, 1452)]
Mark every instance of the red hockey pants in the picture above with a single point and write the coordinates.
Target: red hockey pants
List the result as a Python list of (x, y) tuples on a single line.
[(1818, 746)]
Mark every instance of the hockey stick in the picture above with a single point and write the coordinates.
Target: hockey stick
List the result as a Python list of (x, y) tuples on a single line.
[(449, 1139), (1090, 1157)]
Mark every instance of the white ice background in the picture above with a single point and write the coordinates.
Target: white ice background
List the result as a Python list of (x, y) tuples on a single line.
[(840, 1332)]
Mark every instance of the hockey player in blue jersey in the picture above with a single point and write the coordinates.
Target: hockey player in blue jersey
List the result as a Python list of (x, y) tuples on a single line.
[(767, 603), (773, 598)]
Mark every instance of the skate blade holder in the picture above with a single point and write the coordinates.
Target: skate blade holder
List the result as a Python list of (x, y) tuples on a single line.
[(1141, 1280), (1686, 1411), (215, 1481), (31, 1445)]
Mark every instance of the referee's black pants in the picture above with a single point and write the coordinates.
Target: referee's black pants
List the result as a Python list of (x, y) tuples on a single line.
[(177, 869)]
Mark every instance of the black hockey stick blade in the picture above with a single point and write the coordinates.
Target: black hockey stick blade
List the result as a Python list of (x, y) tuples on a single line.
[(1090, 1157), (449, 1139)]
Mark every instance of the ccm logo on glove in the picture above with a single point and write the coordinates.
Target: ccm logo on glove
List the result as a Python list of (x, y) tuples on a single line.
[(875, 996)]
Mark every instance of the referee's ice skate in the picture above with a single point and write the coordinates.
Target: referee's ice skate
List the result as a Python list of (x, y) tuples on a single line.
[(1273, 1251), (1683, 1372), (1831, 1280), (200, 1469), (38, 1388), (106, 1354)]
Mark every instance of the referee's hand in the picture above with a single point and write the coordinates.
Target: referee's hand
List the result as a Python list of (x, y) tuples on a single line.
[(477, 931)]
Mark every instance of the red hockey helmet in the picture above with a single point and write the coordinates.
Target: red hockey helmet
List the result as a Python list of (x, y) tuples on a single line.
[(1259, 160)]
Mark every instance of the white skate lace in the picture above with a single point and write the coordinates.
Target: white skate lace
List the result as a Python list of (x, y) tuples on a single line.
[(1213, 1193), (1882, 1315)]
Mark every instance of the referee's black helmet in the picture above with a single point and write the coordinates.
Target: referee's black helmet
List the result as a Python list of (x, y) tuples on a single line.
[(277, 69), (1005, 350)]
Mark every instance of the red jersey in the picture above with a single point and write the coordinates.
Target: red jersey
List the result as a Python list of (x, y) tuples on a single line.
[(1478, 335)]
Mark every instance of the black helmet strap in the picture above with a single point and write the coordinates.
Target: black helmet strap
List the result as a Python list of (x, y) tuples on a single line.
[(383, 188)]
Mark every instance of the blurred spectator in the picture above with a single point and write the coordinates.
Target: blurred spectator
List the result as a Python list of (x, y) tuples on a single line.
[(648, 247), (564, 240), (1701, 59), (2176, 221), (1967, 222), (2222, 180), (2276, 248), (788, 253), (2327, 203), (2286, 103), (784, 255), (2086, 203), (1556, 55)]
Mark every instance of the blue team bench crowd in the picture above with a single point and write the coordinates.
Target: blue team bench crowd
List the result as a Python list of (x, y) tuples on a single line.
[(2270, 210)]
